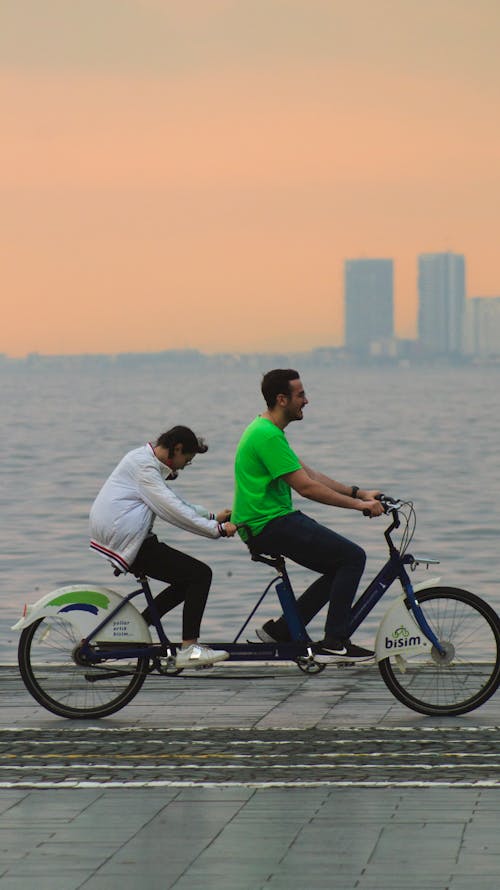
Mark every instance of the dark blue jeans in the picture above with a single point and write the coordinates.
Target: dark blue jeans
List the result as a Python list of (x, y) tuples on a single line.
[(339, 561)]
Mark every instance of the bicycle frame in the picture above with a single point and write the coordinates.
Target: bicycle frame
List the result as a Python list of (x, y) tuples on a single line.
[(301, 642)]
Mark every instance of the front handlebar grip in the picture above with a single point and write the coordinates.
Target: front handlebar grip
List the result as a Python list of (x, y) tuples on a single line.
[(386, 501)]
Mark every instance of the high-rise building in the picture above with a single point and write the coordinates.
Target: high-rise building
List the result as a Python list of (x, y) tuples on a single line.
[(482, 327), (441, 291), (369, 304)]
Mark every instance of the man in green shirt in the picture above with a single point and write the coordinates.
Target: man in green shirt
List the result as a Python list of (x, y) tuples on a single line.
[(266, 471)]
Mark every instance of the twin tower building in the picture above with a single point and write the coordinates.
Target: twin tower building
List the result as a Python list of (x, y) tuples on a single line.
[(369, 304)]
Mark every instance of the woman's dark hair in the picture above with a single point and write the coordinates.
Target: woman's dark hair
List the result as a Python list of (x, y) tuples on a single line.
[(276, 383), (182, 435)]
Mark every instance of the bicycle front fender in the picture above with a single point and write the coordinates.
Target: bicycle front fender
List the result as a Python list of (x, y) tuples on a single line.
[(399, 633), (85, 606)]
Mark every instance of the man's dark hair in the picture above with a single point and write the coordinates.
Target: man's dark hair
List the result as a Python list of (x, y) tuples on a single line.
[(182, 435), (276, 383)]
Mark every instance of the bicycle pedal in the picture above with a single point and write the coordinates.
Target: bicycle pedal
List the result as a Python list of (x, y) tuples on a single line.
[(203, 667), (345, 664)]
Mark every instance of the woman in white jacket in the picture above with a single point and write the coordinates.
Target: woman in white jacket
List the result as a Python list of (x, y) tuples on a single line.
[(121, 521)]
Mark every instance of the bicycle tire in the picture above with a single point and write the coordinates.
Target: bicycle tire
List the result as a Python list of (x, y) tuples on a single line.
[(59, 684), (461, 681)]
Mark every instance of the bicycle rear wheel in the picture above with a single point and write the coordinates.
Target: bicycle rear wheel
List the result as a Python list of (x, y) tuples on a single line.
[(469, 672), (52, 676)]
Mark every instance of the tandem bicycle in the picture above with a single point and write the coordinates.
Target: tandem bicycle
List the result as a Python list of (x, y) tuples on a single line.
[(85, 650)]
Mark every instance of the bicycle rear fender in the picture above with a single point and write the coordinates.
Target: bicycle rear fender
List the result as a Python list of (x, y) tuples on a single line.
[(85, 606), (398, 632)]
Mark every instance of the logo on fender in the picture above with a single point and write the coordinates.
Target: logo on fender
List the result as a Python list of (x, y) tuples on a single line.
[(401, 638)]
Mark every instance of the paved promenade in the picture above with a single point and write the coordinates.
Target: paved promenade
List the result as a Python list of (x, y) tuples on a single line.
[(249, 778)]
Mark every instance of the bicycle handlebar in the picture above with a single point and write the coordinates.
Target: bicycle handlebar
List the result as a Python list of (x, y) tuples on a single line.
[(387, 502)]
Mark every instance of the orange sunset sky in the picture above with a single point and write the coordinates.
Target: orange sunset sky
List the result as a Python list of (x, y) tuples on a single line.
[(193, 173)]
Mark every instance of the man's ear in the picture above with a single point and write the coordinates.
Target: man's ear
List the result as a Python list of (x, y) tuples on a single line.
[(177, 449)]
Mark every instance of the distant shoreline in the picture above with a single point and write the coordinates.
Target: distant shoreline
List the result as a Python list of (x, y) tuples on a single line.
[(404, 354)]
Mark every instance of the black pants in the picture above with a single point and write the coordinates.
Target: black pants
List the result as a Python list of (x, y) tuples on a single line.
[(189, 582), (340, 562)]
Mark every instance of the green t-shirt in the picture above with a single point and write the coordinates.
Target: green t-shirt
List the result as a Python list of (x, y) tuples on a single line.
[(263, 457)]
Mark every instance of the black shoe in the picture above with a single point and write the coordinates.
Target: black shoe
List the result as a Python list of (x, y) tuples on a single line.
[(331, 651), (268, 634)]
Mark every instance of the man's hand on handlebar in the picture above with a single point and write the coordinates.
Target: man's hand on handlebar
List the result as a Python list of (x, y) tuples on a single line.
[(374, 495), (371, 507)]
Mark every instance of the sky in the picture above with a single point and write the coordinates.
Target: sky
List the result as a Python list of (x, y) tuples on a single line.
[(193, 173)]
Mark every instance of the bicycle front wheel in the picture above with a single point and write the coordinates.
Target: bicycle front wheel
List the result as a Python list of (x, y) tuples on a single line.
[(52, 675), (468, 673)]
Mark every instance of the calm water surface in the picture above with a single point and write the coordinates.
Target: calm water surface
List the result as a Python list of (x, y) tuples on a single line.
[(430, 435)]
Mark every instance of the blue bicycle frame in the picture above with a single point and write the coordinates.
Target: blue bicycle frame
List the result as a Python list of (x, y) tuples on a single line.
[(393, 569)]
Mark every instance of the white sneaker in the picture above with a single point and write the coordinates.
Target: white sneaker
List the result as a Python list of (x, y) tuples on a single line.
[(196, 655)]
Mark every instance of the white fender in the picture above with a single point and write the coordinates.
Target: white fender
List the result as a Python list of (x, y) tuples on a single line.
[(432, 582), (85, 606), (398, 632)]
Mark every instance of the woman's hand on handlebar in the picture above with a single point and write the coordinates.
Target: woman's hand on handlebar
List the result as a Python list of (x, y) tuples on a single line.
[(230, 529), (223, 515)]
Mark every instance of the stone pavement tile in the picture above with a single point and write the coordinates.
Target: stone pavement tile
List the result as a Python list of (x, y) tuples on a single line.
[(35, 867), (15, 843), (270, 805), (309, 869), (405, 845), (351, 807), (284, 879), (78, 848), (228, 879), (144, 870), (421, 880), (477, 881), (479, 837), (227, 872), (100, 834), (53, 803), (56, 881), (10, 798), (123, 818), (214, 794), (327, 841), (482, 862), (148, 880)]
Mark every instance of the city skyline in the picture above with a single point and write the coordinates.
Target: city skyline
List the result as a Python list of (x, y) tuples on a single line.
[(450, 324), (368, 286), (195, 174)]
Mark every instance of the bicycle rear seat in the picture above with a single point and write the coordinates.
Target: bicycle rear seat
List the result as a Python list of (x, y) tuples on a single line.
[(139, 577), (275, 560)]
